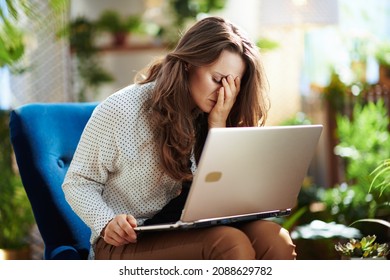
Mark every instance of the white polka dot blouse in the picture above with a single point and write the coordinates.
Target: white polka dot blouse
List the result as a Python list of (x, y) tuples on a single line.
[(115, 169)]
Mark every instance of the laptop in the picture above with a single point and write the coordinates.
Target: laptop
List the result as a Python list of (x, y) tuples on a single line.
[(247, 174)]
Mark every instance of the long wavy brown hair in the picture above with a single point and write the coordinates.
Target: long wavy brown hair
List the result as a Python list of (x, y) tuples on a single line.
[(179, 132)]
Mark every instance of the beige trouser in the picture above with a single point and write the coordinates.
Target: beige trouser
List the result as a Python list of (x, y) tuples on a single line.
[(253, 240)]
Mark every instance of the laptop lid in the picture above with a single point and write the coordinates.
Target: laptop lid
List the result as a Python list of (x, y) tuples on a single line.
[(243, 171), (246, 174)]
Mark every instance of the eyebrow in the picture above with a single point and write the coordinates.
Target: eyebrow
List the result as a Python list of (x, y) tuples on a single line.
[(222, 75), (225, 76)]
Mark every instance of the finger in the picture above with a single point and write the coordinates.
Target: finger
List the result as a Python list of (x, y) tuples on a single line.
[(132, 221), (226, 83), (111, 237), (231, 94), (231, 82), (114, 240), (234, 87), (114, 229), (125, 229), (237, 82), (221, 97)]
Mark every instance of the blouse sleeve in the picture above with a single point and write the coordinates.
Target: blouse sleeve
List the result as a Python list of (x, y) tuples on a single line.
[(94, 159)]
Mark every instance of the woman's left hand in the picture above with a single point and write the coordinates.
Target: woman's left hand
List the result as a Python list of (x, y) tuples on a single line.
[(227, 95)]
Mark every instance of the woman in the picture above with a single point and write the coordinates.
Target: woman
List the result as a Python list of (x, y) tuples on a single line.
[(139, 151)]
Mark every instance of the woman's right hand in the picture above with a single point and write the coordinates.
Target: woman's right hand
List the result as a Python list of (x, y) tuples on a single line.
[(227, 96), (119, 231)]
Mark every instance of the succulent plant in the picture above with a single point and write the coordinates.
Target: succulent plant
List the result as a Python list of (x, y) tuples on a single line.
[(364, 248)]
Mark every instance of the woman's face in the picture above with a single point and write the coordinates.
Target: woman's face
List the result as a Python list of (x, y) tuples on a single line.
[(205, 81)]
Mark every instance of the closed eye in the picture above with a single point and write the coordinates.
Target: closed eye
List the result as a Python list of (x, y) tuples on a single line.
[(218, 81)]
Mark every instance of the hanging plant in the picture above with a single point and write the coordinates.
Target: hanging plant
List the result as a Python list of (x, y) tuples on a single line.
[(81, 33)]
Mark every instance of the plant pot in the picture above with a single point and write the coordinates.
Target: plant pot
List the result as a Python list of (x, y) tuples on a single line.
[(119, 38), (316, 249), (15, 254)]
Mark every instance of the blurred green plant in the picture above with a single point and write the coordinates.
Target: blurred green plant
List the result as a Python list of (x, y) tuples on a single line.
[(119, 26), (364, 248), (12, 35), (266, 44), (335, 92), (182, 13), (189, 9), (81, 33), (11, 44), (364, 142), (16, 218), (381, 180), (382, 54), (346, 203), (300, 118), (112, 21)]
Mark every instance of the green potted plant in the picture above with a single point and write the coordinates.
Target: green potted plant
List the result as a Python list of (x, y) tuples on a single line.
[(363, 249), (16, 218), (357, 198), (367, 247), (119, 27), (316, 240)]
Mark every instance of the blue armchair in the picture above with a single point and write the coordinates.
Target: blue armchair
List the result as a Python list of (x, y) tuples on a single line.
[(44, 137)]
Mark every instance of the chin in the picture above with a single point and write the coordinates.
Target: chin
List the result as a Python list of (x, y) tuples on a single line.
[(208, 110), (205, 109)]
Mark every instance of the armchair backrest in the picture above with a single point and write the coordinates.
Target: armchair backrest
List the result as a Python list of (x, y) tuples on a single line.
[(44, 137)]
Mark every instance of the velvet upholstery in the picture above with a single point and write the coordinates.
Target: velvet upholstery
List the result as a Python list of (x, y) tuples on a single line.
[(44, 137)]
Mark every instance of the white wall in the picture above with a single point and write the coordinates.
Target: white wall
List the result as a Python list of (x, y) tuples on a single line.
[(245, 14), (93, 8), (282, 66)]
